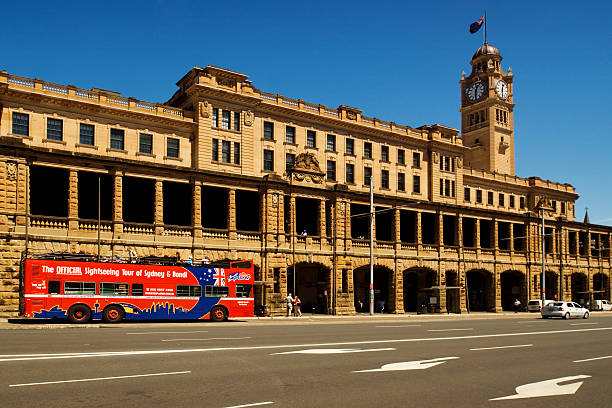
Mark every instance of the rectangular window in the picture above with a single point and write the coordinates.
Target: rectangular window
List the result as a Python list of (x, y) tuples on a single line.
[(145, 143), (331, 170), (447, 165), (236, 121), (225, 151), (172, 147), (290, 134), (522, 202), (416, 160), (479, 196), (416, 184), (401, 156), (490, 198), (216, 291), (55, 129), (384, 153), (350, 146), (236, 153), (86, 134), (441, 187), (502, 199), (401, 181), (367, 150), (452, 188), (54, 287), (112, 288), (21, 124), (268, 160), (117, 137), (311, 138), (215, 117), (441, 163), (453, 164), (243, 291), (289, 161), (384, 178), (367, 175), (350, 173), (447, 188), (562, 207), (511, 201), (225, 119), (189, 290), (215, 149), (79, 288), (268, 131), (137, 289), (466, 194), (331, 143)]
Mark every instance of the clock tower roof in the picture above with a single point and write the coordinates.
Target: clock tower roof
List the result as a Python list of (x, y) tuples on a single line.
[(486, 49)]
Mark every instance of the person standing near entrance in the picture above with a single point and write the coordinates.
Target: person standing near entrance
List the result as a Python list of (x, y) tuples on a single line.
[(297, 304), (517, 303), (289, 302)]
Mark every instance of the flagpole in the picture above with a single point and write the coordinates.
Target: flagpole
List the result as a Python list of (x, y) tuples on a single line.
[(485, 18)]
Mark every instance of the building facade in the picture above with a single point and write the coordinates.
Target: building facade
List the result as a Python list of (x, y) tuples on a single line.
[(226, 171)]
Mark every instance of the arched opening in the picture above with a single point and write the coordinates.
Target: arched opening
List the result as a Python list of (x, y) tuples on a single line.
[(453, 292), (512, 288), (417, 288), (481, 295), (311, 282), (601, 288), (382, 286), (552, 285), (579, 288)]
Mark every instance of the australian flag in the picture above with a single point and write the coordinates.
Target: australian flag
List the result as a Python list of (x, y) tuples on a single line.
[(475, 26)]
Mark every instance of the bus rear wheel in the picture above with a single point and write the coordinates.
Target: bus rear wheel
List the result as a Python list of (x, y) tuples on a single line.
[(218, 314), (79, 314), (113, 314)]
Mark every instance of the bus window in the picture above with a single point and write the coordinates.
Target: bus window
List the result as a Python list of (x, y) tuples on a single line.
[(242, 264), (80, 288), (243, 291), (189, 290), (137, 289), (54, 287), (112, 288), (216, 291)]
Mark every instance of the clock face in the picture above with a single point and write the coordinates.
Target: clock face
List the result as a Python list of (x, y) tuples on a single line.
[(475, 91), (501, 88)]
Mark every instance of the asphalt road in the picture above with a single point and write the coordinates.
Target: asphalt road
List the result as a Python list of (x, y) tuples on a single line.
[(445, 363)]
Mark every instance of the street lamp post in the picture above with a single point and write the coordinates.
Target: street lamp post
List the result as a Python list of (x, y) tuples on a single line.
[(371, 247), (543, 283)]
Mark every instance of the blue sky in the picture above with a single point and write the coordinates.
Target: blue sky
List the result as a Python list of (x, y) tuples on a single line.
[(397, 61)]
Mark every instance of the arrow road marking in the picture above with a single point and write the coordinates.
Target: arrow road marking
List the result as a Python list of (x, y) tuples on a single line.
[(410, 365), (546, 388), (331, 351)]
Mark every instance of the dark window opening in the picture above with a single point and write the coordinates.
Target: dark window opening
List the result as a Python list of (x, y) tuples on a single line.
[(177, 203), (138, 200), (503, 235), (469, 232), (519, 235), (408, 224), (329, 218), (582, 243), (572, 242), (247, 210), (49, 191), (449, 228), (548, 241), (88, 196), (214, 207), (428, 228), (383, 224), (360, 221), (485, 233), (307, 214), (287, 213)]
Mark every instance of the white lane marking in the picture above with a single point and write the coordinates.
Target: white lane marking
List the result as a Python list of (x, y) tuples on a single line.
[(100, 378), (592, 359), (255, 404), (445, 330), (529, 322), (404, 325), (331, 351), (24, 357), (546, 388), (210, 338), (409, 365), (179, 332), (501, 347), (581, 324)]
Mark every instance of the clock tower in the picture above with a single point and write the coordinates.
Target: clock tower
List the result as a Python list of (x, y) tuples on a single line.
[(487, 125)]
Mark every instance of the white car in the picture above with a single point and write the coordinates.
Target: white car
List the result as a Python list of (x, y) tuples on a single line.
[(566, 310), (535, 305), (602, 305)]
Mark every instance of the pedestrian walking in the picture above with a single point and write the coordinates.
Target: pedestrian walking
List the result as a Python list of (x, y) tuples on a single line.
[(289, 302), (297, 305), (517, 303)]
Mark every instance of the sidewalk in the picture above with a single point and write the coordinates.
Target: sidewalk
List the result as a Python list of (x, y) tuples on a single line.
[(38, 324)]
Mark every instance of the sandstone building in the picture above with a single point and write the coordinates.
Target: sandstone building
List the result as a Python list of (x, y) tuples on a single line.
[(228, 171)]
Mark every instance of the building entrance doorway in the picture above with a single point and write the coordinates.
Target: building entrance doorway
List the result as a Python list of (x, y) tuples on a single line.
[(311, 282), (417, 289), (512, 288), (480, 291), (382, 284)]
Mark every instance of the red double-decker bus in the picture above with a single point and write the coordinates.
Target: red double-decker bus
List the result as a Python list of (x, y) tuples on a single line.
[(82, 290)]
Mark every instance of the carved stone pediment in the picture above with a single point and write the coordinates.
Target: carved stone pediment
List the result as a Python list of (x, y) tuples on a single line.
[(306, 167), (544, 203)]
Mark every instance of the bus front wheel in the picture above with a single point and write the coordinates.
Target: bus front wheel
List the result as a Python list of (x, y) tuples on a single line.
[(79, 314), (218, 314), (113, 314)]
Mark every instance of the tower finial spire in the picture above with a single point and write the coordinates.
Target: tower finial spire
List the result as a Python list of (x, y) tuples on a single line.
[(485, 22)]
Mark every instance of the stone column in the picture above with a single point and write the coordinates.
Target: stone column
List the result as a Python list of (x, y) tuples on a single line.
[(73, 200), (511, 246), (459, 233), (158, 216), (196, 214), (117, 202), (419, 234), (477, 233), (231, 213), (322, 220), (440, 230), (396, 233)]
